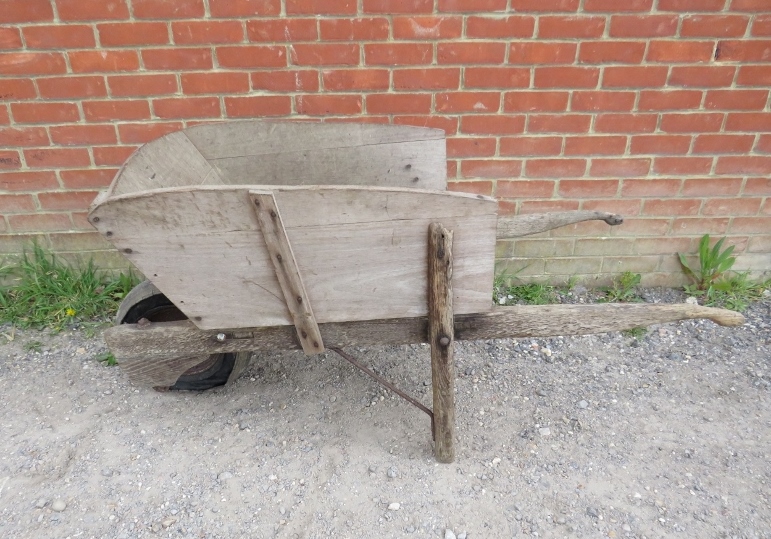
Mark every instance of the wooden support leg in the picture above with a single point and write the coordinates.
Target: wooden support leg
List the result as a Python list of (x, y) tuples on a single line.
[(440, 336)]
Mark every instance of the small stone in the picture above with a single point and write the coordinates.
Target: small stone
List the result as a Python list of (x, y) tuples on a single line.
[(168, 522), (41, 503), (394, 506), (462, 535), (80, 351), (544, 431), (244, 425), (546, 352), (156, 527), (592, 512), (690, 300), (410, 529), (372, 468), (224, 476), (561, 520), (58, 506), (107, 472), (107, 391), (392, 472), (626, 528), (583, 404), (540, 392), (449, 534)]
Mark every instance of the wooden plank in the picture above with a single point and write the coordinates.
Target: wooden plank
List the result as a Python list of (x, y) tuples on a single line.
[(525, 225), (440, 337), (303, 153), (287, 272), (153, 347), (361, 250)]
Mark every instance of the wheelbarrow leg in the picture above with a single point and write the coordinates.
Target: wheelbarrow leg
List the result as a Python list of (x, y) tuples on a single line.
[(440, 336)]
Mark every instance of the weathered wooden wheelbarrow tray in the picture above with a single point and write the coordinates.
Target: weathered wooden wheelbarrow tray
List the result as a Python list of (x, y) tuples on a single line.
[(259, 236)]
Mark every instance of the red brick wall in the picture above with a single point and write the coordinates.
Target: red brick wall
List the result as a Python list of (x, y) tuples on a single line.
[(657, 109)]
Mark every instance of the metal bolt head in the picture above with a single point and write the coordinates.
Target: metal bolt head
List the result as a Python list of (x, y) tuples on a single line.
[(444, 340), (221, 337)]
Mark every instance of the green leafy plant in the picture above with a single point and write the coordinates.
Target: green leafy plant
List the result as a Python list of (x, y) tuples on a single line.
[(635, 333), (714, 262), (107, 359), (531, 294), (735, 292), (623, 288), (33, 346), (46, 292)]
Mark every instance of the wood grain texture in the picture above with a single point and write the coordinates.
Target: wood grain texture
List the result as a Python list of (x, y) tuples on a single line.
[(287, 272), (440, 337), (304, 153), (525, 225), (158, 344), (361, 250)]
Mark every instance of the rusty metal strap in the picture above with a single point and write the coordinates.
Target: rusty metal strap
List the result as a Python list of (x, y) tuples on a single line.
[(385, 383)]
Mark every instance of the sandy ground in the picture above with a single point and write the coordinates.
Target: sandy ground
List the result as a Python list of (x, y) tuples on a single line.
[(594, 436)]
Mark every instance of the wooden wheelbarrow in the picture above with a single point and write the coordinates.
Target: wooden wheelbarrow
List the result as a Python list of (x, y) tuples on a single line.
[(257, 236)]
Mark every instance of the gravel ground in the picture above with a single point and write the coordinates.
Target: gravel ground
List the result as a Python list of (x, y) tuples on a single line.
[(667, 435)]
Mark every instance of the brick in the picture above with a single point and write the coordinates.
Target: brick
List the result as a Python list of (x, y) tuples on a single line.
[(495, 77), (747, 165), (9, 160), (450, 102), (703, 187), (643, 25), (10, 38), (447, 124), (26, 136), (81, 135), (625, 123), (67, 200), (736, 100), (397, 6), (650, 187), (321, 7), (545, 5), (257, 106), (762, 25), (622, 168), (691, 5), (142, 85), (660, 144), (103, 61), (682, 165), (491, 168), (566, 77), (616, 52), (398, 104), (477, 52), (680, 51), (5, 117), (538, 53), (17, 89), (88, 178), (74, 36), (471, 5), (285, 81), (731, 206), (57, 157), (748, 121), (757, 186), (588, 188), (126, 34), (112, 155), (286, 30), (555, 168), (32, 63), (757, 244), (673, 207), (425, 27), (426, 79), (755, 50), (244, 8), (691, 123), (204, 32), (40, 222), (595, 145), (500, 27), (702, 76), (458, 147), (25, 11), (16, 203), (525, 189), (545, 206), (101, 111), (759, 75), (140, 133), (319, 54), (634, 77), (614, 6), (42, 113), (764, 144), (531, 146), (252, 56), (560, 27), (558, 123), (700, 226), (178, 59), (28, 181), (92, 10), (494, 124), (717, 144), (531, 101), (346, 80), (215, 83), (476, 187), (187, 107), (652, 100), (602, 101), (749, 5), (750, 225), (163, 9), (714, 26), (321, 105)]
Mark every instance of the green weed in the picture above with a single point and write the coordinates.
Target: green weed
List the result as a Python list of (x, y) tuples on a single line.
[(635, 333), (713, 263), (46, 292), (623, 288), (107, 359), (735, 292), (33, 346)]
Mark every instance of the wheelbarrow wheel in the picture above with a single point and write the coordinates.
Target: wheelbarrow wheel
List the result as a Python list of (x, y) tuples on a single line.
[(146, 301)]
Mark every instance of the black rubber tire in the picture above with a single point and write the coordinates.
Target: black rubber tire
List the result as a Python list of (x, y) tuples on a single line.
[(158, 308)]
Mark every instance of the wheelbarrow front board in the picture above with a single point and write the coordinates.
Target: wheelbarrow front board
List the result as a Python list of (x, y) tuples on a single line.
[(361, 251)]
